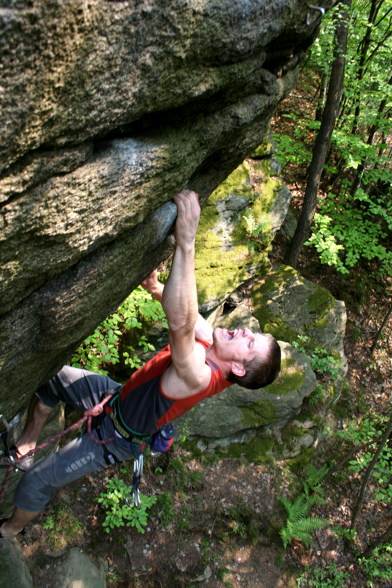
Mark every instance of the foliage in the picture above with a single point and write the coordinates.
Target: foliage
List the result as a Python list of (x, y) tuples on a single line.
[(365, 433), (166, 510), (182, 477), (324, 241), (118, 512), (258, 231), (293, 149), (62, 526), (330, 576), (103, 347), (378, 566), (354, 221), (321, 361), (300, 524), (343, 239)]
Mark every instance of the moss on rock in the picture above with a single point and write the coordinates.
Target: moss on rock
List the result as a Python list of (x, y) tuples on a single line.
[(222, 255), (320, 302), (259, 413), (258, 450), (291, 377)]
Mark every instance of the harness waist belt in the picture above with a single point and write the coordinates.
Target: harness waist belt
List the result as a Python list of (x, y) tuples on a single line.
[(123, 432)]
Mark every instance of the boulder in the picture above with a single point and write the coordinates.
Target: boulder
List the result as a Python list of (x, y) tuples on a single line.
[(107, 109), (14, 569)]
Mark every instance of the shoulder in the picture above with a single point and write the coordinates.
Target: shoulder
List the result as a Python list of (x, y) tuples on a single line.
[(191, 378)]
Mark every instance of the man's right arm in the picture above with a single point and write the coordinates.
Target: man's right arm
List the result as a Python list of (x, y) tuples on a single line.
[(188, 372)]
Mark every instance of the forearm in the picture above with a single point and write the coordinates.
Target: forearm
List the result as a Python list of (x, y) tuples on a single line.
[(179, 298)]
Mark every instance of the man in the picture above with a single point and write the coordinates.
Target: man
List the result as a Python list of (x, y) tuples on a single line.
[(199, 362)]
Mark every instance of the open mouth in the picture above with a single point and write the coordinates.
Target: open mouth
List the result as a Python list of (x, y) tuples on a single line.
[(229, 335)]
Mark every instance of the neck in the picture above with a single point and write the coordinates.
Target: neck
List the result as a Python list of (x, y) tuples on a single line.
[(222, 365)]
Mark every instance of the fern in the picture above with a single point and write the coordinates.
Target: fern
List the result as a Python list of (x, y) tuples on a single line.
[(302, 530), (314, 477), (299, 524)]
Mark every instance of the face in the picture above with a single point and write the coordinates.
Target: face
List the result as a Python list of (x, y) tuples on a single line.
[(239, 345)]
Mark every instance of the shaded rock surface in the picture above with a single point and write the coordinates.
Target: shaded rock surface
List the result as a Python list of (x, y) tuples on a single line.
[(106, 111), (77, 569), (14, 570)]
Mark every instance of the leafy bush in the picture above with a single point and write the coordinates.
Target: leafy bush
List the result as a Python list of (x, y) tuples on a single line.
[(347, 230), (118, 512), (378, 566), (330, 576), (320, 359), (258, 232), (103, 347), (366, 432)]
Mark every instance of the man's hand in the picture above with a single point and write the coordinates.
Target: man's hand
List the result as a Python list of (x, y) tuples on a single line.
[(188, 217), (150, 282), (153, 285)]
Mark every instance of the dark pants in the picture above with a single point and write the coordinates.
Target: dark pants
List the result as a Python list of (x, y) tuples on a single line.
[(82, 390)]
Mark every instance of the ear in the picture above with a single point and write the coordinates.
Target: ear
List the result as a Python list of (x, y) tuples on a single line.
[(238, 369)]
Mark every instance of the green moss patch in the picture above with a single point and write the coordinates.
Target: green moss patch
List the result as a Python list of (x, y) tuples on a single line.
[(258, 413), (258, 450), (219, 270), (320, 302), (291, 377)]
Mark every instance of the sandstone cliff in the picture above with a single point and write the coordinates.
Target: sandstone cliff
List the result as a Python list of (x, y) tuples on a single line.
[(107, 109)]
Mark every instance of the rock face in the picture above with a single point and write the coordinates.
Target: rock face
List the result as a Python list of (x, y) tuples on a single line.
[(107, 109), (14, 570)]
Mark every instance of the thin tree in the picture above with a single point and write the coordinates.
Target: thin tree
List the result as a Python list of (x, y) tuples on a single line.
[(369, 470), (323, 139), (378, 334)]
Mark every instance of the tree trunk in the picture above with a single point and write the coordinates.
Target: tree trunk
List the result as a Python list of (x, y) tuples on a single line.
[(323, 139), (368, 472), (378, 335), (364, 47), (321, 97)]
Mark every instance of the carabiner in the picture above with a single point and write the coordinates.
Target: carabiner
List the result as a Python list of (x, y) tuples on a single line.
[(309, 20)]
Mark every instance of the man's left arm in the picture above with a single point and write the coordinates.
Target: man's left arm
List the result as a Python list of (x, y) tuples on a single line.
[(203, 330)]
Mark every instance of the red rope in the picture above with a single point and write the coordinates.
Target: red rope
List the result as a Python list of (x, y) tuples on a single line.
[(87, 416)]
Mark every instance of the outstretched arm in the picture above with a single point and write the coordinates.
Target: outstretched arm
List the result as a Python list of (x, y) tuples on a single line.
[(188, 372), (179, 299)]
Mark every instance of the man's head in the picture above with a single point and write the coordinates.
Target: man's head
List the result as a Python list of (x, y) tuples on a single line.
[(249, 359)]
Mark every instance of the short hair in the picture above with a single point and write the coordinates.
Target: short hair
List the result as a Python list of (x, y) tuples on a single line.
[(260, 371)]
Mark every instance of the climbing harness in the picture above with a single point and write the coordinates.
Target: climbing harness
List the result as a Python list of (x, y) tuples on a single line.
[(114, 412), (160, 442)]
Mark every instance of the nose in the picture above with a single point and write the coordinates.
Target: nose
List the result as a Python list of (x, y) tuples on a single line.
[(246, 332)]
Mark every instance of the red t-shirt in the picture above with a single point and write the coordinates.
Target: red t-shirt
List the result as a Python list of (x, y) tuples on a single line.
[(145, 408)]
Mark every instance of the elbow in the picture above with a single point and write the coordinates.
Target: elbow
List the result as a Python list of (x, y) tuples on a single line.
[(181, 328)]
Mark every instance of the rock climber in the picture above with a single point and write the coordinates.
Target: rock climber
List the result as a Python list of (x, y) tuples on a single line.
[(198, 362)]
